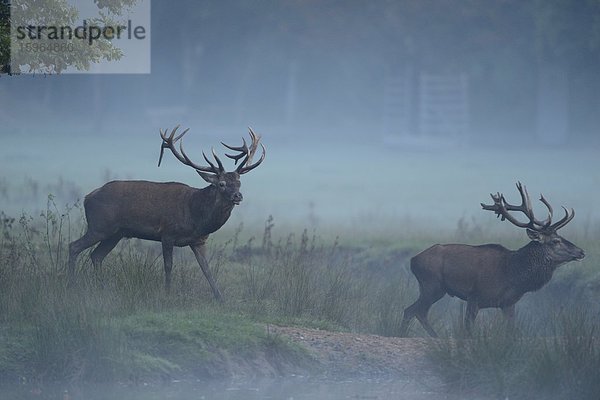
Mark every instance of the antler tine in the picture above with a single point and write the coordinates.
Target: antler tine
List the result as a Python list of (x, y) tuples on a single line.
[(169, 143), (243, 149), (215, 169), (181, 135), (162, 147), (256, 164), (565, 220), (496, 207), (255, 140), (253, 135), (209, 162), (197, 167), (221, 169), (500, 207), (548, 220), (243, 168), (246, 153), (527, 208)]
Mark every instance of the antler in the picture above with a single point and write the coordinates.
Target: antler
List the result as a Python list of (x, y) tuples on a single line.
[(565, 220), (501, 207), (246, 152), (169, 143)]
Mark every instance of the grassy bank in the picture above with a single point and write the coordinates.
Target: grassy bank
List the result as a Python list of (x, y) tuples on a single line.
[(119, 324), (515, 362), (148, 346)]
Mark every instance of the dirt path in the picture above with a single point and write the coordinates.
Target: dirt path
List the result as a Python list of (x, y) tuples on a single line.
[(350, 355)]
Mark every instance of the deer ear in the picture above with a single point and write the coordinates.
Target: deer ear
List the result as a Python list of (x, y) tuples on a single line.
[(534, 235), (210, 178)]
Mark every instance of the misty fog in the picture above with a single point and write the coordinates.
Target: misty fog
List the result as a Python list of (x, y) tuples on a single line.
[(345, 97)]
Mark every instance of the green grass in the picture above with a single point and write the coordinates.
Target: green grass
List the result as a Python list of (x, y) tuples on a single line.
[(146, 346), (118, 323)]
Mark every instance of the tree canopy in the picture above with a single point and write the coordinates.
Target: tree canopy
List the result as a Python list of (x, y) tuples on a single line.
[(59, 13)]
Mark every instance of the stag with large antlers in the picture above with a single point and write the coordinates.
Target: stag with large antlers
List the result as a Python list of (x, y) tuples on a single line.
[(490, 275), (171, 213)]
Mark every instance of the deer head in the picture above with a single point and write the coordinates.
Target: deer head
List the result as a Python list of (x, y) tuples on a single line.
[(555, 247), (227, 183)]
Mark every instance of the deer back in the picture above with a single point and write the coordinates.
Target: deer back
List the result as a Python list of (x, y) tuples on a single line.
[(465, 271), (143, 209)]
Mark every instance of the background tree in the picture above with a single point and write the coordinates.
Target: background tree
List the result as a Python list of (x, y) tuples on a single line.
[(58, 13), (4, 36)]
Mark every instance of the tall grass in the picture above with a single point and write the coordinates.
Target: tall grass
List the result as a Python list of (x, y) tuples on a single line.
[(86, 331), (297, 277), (500, 360), (76, 332)]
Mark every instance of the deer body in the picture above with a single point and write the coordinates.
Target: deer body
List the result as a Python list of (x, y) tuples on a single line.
[(115, 209), (490, 276), (172, 213)]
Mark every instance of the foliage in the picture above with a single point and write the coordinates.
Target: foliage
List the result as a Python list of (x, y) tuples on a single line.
[(4, 36), (59, 13)]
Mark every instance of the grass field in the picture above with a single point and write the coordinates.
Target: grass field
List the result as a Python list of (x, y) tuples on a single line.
[(118, 323)]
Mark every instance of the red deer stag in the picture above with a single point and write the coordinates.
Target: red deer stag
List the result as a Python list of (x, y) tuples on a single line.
[(490, 275), (168, 212)]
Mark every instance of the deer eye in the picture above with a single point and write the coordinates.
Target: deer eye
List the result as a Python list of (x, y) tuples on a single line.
[(222, 184), (555, 241)]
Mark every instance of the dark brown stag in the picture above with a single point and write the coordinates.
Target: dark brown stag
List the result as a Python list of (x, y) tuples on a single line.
[(171, 213), (491, 275)]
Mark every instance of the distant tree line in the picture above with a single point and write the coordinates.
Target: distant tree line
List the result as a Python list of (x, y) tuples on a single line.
[(456, 31)]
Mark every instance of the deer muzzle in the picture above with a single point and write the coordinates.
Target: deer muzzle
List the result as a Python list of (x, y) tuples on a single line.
[(237, 198)]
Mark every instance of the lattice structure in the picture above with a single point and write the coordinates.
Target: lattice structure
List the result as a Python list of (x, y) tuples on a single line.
[(397, 101), (443, 105)]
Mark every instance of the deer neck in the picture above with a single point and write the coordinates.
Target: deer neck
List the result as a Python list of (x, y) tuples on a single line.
[(209, 210), (531, 267)]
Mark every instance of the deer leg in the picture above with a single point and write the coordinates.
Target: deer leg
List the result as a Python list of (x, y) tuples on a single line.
[(199, 252), (76, 247), (413, 310), (422, 312), (409, 314), (102, 250), (420, 309), (472, 310), (167, 250)]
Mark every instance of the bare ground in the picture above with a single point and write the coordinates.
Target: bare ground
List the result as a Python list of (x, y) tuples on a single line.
[(367, 357)]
